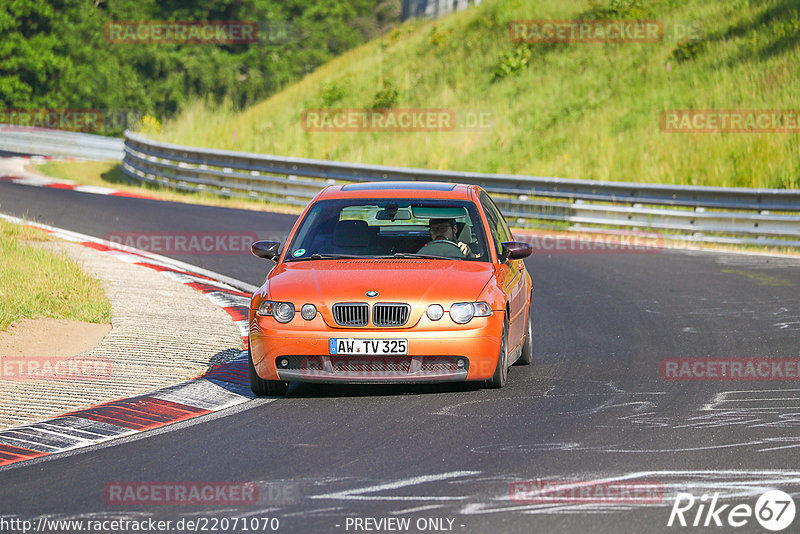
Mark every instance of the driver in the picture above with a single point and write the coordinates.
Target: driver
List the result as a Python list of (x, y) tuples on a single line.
[(445, 230)]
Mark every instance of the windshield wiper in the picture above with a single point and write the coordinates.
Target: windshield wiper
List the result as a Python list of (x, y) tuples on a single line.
[(327, 257), (412, 255)]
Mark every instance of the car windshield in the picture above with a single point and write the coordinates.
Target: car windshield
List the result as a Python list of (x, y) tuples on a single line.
[(375, 228)]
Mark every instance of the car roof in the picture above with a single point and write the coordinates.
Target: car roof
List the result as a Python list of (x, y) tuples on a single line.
[(432, 190)]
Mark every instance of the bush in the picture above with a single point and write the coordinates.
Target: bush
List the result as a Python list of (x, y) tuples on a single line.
[(386, 97), (687, 50), (330, 94), (513, 61)]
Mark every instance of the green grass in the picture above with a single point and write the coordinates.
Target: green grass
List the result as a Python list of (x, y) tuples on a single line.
[(37, 283), (109, 174), (569, 110)]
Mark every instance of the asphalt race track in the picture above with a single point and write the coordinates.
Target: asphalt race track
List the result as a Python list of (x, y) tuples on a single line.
[(593, 405)]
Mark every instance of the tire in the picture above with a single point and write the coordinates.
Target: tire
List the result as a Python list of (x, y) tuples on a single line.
[(500, 375), (261, 387), (526, 358)]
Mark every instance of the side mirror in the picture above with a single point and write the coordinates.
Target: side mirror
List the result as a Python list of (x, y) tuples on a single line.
[(266, 249), (515, 250)]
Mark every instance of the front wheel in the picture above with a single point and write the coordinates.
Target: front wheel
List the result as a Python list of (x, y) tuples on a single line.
[(262, 387), (500, 375)]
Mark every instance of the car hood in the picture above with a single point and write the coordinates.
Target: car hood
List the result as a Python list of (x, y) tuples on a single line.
[(418, 282)]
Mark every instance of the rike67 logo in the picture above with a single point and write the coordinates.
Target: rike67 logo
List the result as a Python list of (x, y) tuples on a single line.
[(774, 510)]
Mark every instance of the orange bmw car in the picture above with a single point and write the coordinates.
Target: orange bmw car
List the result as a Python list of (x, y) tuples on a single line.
[(392, 282)]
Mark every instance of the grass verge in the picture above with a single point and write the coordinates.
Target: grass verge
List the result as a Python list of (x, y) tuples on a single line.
[(35, 282)]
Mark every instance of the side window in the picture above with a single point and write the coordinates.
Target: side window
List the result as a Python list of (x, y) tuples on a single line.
[(502, 226), (497, 224)]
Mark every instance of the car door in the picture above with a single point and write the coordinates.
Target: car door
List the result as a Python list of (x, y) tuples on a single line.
[(510, 274)]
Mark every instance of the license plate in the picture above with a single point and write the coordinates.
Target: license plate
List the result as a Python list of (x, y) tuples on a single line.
[(349, 346)]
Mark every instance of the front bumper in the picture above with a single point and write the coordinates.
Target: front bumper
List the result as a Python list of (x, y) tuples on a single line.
[(372, 369), (300, 352)]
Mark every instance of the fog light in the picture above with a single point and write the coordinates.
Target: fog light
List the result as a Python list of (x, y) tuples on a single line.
[(460, 364), (435, 312), (308, 311), (284, 362)]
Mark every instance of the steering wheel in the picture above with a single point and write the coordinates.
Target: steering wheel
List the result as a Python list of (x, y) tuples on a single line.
[(431, 247)]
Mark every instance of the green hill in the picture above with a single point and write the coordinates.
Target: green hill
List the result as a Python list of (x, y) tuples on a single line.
[(573, 110)]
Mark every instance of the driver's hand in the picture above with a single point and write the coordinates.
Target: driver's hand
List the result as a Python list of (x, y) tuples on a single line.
[(464, 248)]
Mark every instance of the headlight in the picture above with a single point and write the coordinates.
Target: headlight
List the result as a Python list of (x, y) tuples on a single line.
[(435, 312), (308, 311), (282, 311), (463, 312)]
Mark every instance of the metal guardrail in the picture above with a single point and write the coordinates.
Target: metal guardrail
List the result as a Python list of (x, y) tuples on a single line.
[(712, 214), (46, 142)]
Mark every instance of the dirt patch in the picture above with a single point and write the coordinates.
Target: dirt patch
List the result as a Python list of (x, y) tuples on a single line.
[(51, 337)]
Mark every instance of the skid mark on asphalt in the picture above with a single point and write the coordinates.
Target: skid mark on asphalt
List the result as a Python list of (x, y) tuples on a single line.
[(777, 409), (780, 312), (571, 446), (733, 485), (359, 494), (612, 398), (765, 307), (417, 509), (775, 399), (480, 493)]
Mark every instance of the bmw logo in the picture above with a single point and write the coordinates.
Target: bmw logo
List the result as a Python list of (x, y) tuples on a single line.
[(372, 294)]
